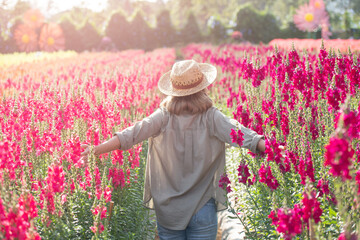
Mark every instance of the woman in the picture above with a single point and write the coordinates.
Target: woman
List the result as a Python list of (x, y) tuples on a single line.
[(186, 155)]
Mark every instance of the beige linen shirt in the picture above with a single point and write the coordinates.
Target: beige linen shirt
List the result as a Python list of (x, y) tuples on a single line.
[(186, 157)]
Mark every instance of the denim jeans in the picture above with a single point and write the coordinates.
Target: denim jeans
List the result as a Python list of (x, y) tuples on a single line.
[(203, 225)]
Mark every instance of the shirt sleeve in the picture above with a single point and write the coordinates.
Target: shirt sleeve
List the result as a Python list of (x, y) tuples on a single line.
[(222, 126), (142, 130)]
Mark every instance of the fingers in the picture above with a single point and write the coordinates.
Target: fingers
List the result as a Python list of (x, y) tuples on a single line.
[(86, 151), (84, 146)]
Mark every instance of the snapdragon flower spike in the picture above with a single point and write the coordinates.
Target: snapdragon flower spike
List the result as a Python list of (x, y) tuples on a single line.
[(243, 116), (16, 222), (118, 177), (323, 187), (99, 210), (56, 178), (259, 123), (237, 137), (97, 228), (273, 151), (287, 221), (352, 124), (357, 179), (265, 176), (224, 183), (311, 208), (338, 155), (244, 174)]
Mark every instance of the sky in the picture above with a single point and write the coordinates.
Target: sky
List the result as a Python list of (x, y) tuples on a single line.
[(62, 5)]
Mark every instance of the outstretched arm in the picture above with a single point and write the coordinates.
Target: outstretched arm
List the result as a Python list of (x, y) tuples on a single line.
[(105, 147), (148, 127)]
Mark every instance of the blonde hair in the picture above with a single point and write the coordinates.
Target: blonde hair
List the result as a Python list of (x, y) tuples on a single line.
[(196, 103)]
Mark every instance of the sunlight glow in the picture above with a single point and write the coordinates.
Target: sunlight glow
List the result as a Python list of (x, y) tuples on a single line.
[(49, 8)]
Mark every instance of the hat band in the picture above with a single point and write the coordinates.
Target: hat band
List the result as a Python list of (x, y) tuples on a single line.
[(188, 86)]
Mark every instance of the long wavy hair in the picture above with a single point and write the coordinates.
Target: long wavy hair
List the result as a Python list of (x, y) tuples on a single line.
[(196, 103)]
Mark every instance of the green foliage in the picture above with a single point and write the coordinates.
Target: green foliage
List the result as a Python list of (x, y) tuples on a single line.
[(73, 39), (141, 34), (119, 29), (165, 34), (129, 220), (256, 26), (291, 31), (89, 36), (217, 32), (191, 32)]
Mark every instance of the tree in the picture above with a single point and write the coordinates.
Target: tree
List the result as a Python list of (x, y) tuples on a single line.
[(165, 33), (256, 26), (119, 30), (218, 31), (73, 39), (191, 32), (89, 36), (141, 34)]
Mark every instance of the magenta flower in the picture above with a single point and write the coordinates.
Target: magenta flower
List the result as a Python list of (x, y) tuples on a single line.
[(311, 208), (323, 187), (224, 183), (237, 137), (99, 209), (118, 177), (265, 176), (343, 236), (244, 174), (338, 155), (357, 179), (287, 221), (352, 124), (56, 178), (310, 172)]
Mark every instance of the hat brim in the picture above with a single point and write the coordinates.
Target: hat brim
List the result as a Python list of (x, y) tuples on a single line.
[(165, 86)]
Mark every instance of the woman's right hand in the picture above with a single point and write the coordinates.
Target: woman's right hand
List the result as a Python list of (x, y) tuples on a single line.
[(84, 154)]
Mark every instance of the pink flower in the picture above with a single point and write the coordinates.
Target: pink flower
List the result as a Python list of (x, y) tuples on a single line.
[(352, 124), (243, 173), (107, 194), (311, 208), (237, 137), (118, 177), (323, 186), (344, 236), (357, 179), (97, 227), (224, 183), (265, 176), (307, 18), (287, 221), (318, 5), (243, 116), (56, 178), (236, 35), (99, 210), (338, 155)]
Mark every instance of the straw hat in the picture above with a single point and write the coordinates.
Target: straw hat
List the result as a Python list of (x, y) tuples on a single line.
[(187, 77)]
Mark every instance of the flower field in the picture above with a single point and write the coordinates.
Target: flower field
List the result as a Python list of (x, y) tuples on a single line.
[(308, 102), (49, 107)]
